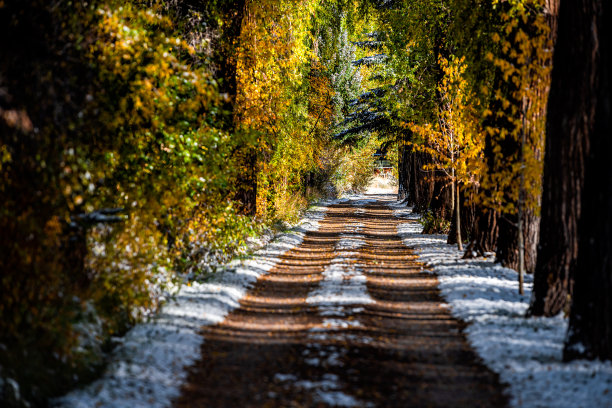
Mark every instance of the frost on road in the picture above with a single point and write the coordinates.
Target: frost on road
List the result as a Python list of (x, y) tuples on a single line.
[(348, 318), (348, 310)]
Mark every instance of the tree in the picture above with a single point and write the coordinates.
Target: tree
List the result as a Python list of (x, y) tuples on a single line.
[(272, 105), (105, 105), (563, 183), (517, 128), (583, 55), (454, 143)]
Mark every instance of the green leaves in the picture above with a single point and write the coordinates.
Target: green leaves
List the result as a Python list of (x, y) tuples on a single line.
[(129, 117)]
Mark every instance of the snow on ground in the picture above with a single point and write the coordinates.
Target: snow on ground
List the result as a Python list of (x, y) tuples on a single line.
[(325, 390), (525, 352), (339, 297), (382, 185), (148, 368), (343, 281)]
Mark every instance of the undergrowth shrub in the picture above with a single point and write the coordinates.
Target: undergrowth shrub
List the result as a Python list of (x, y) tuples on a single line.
[(433, 224), (356, 167), (211, 237), (114, 176)]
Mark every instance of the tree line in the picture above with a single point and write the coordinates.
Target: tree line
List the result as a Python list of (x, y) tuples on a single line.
[(500, 114), (142, 142)]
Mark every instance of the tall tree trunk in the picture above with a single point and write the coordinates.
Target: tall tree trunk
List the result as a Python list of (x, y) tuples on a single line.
[(584, 51), (563, 176), (458, 215), (485, 231), (403, 168), (246, 181), (402, 187), (521, 248), (424, 183), (441, 203), (413, 190), (226, 47), (246, 189), (467, 217), (507, 252)]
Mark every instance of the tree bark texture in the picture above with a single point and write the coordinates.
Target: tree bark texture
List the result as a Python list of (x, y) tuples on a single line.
[(424, 183), (566, 129), (441, 203), (484, 233), (403, 169), (584, 55), (507, 252), (468, 218), (413, 190)]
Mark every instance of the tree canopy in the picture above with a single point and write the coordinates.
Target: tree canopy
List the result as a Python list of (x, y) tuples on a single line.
[(142, 143)]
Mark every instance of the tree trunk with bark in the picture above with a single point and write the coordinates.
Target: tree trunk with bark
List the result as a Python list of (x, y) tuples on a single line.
[(584, 56), (563, 179), (468, 217), (485, 231), (507, 252), (441, 203), (484, 235), (414, 193), (246, 180), (424, 183), (403, 168), (457, 217)]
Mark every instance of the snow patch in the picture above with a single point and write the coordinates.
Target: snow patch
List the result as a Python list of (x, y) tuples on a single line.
[(326, 390), (526, 352), (342, 284), (350, 242), (363, 201), (149, 367), (354, 228)]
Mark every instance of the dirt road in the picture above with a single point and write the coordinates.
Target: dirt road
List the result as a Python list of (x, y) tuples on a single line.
[(348, 318)]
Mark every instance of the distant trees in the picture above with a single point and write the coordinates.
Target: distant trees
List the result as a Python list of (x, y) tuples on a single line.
[(506, 57)]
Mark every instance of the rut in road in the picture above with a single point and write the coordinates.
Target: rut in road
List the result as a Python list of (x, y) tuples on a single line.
[(347, 318)]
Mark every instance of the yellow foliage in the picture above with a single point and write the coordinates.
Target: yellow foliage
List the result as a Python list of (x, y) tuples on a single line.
[(455, 141), (524, 63), (271, 74)]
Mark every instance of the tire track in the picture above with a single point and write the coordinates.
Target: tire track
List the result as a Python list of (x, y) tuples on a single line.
[(347, 319)]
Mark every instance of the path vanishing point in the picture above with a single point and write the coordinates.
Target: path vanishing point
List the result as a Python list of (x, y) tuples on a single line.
[(349, 318)]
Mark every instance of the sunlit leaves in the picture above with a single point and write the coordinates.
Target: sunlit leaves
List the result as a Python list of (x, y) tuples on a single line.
[(130, 119), (518, 107), (272, 65), (454, 141)]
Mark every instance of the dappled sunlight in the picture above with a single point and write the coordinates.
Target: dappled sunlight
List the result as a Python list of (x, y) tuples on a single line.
[(350, 302), (223, 186)]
